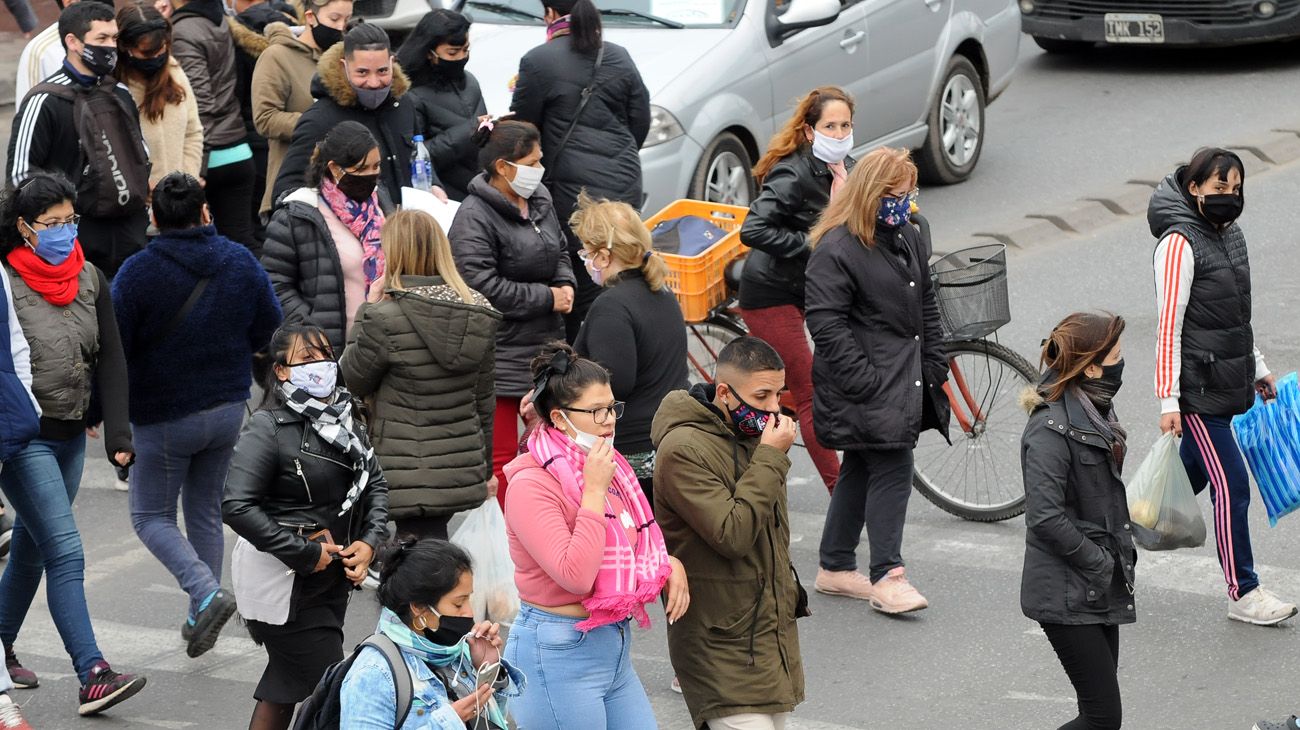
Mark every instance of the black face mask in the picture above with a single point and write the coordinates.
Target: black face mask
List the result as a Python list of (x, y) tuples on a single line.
[(101, 60), (325, 36), (358, 187), (1102, 390), (451, 629), (1222, 209), (147, 66), (449, 69)]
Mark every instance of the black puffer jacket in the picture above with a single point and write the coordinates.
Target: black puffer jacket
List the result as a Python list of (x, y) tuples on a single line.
[(1079, 553), (794, 193), (513, 261), (201, 42), (285, 483), (300, 257), (878, 364), (449, 111), (603, 154)]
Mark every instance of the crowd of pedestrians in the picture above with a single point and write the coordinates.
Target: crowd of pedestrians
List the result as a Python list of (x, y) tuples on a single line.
[(232, 211)]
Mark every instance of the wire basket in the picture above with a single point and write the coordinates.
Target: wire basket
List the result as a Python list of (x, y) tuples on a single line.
[(971, 288)]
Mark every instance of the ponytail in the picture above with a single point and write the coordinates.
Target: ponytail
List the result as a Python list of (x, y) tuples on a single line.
[(655, 271), (584, 22), (616, 227)]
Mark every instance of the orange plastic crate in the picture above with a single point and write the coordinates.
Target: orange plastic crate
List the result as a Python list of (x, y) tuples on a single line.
[(700, 281)]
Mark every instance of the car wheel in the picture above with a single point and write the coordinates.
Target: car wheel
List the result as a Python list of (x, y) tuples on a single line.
[(725, 173), (956, 135), (1059, 45)]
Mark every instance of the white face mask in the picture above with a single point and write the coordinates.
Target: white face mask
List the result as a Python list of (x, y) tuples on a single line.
[(526, 179), (317, 378), (586, 441), (830, 150)]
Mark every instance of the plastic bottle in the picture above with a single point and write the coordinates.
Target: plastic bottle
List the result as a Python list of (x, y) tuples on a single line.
[(421, 166)]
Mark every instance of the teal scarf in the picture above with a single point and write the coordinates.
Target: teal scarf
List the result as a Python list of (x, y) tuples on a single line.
[(456, 657)]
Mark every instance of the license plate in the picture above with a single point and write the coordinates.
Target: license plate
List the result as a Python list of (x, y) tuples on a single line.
[(1134, 28)]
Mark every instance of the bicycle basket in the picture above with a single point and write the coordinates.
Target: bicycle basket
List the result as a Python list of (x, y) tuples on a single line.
[(971, 288)]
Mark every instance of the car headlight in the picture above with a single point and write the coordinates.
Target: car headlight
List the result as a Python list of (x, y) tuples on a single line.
[(663, 127)]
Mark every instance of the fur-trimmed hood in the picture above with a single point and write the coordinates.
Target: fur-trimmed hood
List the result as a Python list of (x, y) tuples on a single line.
[(1030, 398), (332, 81), (246, 39)]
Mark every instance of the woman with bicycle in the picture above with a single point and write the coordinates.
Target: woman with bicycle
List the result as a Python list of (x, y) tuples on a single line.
[(1079, 555), (806, 163), (878, 372)]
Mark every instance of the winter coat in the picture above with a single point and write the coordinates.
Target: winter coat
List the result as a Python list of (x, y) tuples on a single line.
[(248, 32), (393, 124), (603, 154), (286, 482), (878, 362), (794, 194), (1079, 553), (234, 317), (721, 502), (201, 41), (281, 93), (513, 260), (425, 360), (1217, 374), (302, 260), (174, 140), (449, 112)]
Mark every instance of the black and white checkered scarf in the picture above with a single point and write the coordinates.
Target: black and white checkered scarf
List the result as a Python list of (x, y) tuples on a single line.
[(333, 422)]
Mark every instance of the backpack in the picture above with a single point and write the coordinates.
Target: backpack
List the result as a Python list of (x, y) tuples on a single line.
[(321, 711), (689, 235), (115, 179)]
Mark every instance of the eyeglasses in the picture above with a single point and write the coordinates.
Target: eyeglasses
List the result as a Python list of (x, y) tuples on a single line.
[(601, 415), (586, 256), (912, 195), (55, 225)]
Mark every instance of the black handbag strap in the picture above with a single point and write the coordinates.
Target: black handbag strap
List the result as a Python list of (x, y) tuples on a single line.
[(182, 313), (582, 104)]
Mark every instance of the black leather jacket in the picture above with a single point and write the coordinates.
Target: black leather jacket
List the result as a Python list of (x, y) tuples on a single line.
[(286, 482), (793, 196)]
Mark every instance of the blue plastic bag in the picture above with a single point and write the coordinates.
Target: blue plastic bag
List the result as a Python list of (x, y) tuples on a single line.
[(1269, 437)]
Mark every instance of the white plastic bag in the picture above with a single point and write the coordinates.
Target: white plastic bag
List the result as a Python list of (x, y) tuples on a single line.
[(1161, 504), (483, 536)]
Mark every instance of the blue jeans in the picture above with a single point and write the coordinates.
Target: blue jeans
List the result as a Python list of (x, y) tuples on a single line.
[(575, 681), (187, 459), (40, 484)]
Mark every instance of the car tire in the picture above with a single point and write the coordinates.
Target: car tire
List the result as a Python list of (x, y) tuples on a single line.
[(1062, 46), (962, 92), (715, 177)]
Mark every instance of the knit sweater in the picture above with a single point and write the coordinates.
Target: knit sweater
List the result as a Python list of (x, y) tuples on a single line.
[(175, 140), (206, 360)]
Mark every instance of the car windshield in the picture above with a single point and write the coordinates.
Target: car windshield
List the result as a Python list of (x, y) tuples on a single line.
[(621, 13)]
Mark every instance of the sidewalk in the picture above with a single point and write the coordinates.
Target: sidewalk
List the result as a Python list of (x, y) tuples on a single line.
[(11, 46)]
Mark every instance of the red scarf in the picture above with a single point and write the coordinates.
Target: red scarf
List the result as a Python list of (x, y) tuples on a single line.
[(58, 284)]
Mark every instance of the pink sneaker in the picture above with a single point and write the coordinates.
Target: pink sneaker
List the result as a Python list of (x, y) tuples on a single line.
[(848, 583), (893, 594)]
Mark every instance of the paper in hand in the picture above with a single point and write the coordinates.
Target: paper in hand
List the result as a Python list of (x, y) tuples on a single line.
[(444, 213)]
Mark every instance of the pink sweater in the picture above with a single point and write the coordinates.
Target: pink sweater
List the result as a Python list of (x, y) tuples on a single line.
[(557, 545)]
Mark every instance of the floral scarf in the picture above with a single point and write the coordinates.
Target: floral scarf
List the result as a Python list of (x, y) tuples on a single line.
[(365, 220)]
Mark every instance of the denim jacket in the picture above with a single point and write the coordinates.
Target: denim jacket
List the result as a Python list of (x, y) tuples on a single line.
[(368, 701)]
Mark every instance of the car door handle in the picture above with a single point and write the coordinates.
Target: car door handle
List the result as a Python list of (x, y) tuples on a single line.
[(933, 4), (853, 40)]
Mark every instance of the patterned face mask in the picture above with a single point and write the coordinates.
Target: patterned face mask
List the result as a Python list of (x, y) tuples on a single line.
[(894, 212), (749, 420)]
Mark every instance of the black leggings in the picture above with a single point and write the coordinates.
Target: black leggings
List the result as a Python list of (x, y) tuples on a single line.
[(230, 197), (1090, 655)]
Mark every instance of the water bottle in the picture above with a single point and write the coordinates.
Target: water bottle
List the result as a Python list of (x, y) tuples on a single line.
[(421, 166)]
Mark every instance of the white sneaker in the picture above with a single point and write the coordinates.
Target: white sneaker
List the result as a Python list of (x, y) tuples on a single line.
[(1260, 607), (676, 686)]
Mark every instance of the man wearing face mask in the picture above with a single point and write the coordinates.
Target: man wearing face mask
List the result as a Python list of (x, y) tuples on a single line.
[(110, 198), (720, 499), (1208, 368), (359, 80)]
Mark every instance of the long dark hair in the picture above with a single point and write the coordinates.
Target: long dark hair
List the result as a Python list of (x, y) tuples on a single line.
[(346, 145), (28, 201), (144, 29), (1080, 340), (419, 571), (584, 22), (507, 140), (434, 29)]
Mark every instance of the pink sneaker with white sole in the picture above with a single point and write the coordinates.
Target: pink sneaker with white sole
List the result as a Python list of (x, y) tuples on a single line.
[(893, 594)]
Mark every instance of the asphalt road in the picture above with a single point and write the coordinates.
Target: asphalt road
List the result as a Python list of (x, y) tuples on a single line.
[(971, 661)]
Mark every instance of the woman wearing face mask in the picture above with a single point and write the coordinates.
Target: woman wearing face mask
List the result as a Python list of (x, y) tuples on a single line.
[(169, 113), (1208, 368), (1079, 555), (806, 163), (450, 101), (588, 555), (509, 247), (309, 502), (323, 246), (66, 311), (424, 590), (636, 329), (282, 77), (878, 372)]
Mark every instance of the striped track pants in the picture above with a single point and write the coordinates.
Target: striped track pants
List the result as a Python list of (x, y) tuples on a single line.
[(1211, 456)]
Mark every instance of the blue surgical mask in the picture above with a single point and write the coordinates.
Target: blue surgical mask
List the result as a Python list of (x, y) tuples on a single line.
[(894, 212), (55, 244), (317, 378)]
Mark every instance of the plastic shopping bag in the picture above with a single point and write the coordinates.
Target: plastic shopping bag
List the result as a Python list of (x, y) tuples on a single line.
[(483, 536), (1269, 437), (1161, 505)]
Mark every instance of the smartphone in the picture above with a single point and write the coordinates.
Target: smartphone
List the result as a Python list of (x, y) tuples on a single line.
[(488, 674), (325, 538)]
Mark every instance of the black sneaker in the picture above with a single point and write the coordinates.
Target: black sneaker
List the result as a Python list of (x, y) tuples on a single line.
[(107, 688), (208, 623), (1289, 724), (187, 631), (23, 678)]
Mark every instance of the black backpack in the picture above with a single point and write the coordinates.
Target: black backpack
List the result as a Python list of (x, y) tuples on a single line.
[(321, 710), (115, 179)]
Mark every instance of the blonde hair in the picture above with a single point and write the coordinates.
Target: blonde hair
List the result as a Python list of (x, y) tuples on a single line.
[(856, 205), (791, 137), (414, 245), (605, 224)]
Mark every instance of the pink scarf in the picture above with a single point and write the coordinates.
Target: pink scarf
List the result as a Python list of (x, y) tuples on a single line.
[(630, 575), (365, 220), (839, 173)]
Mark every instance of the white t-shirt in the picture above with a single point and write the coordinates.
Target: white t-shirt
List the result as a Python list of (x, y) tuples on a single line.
[(42, 56)]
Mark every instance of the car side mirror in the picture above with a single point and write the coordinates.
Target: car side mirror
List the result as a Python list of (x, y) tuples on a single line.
[(801, 14)]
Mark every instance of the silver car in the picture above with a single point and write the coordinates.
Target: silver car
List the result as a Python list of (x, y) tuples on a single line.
[(723, 75)]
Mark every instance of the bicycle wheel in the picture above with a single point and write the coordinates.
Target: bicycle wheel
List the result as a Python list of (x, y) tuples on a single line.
[(704, 340), (978, 477)]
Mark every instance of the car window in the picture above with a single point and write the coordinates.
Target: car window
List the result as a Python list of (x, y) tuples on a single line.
[(691, 13)]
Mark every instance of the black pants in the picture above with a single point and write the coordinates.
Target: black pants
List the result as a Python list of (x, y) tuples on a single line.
[(260, 153), (872, 490), (230, 197), (583, 295), (1090, 655), (107, 242), (422, 527)]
